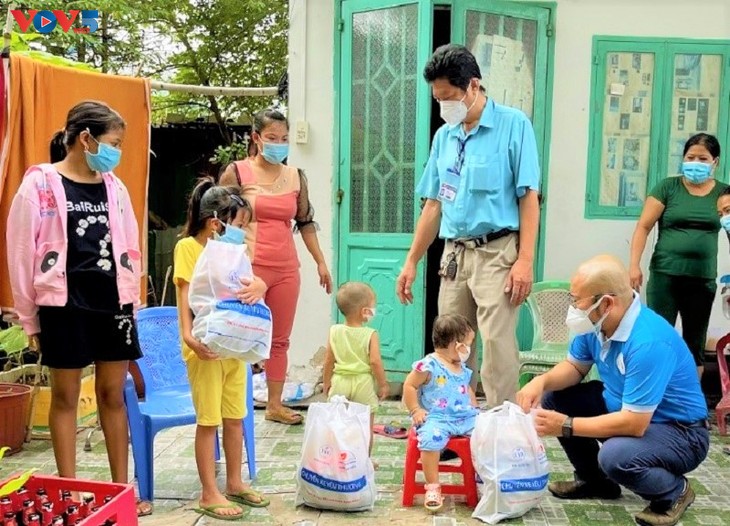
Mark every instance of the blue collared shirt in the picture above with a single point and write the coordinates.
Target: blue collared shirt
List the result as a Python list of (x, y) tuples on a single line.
[(499, 165), (645, 367)]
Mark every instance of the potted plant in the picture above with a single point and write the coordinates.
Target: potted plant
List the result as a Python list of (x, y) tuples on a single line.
[(20, 365), (14, 407)]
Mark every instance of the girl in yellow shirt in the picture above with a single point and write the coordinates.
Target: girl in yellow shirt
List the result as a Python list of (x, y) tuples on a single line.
[(218, 386)]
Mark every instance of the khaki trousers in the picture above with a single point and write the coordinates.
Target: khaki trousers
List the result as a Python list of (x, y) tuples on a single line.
[(477, 292)]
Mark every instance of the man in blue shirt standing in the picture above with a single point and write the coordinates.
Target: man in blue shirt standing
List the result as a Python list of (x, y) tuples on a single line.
[(480, 188), (648, 410)]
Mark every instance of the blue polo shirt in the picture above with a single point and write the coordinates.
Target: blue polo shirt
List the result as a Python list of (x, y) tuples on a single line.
[(645, 367), (499, 166)]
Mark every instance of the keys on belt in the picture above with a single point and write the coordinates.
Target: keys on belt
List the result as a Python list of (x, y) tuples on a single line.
[(449, 267)]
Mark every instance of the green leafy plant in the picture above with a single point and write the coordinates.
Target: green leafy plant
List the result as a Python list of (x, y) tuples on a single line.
[(224, 155), (15, 483)]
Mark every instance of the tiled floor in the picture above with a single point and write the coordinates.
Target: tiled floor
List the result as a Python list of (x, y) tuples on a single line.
[(278, 449)]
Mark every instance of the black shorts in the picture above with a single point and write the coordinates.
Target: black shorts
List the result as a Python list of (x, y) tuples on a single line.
[(72, 338)]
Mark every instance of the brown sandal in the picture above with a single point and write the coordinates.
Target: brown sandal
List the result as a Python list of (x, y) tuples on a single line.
[(284, 416), (144, 508)]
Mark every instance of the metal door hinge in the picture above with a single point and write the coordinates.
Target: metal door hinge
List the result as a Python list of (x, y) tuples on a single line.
[(340, 196), (549, 30), (341, 25)]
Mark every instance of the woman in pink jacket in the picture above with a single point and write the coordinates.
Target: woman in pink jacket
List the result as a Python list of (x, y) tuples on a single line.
[(74, 261)]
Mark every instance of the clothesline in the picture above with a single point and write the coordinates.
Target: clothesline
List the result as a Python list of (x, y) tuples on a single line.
[(268, 91), (215, 90)]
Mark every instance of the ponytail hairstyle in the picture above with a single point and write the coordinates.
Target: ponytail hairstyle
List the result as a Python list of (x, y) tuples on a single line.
[(210, 201), (95, 116), (261, 121)]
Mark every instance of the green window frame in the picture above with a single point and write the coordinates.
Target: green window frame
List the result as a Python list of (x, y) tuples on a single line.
[(648, 96)]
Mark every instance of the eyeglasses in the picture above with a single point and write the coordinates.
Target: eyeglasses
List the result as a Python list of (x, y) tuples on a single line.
[(460, 151), (574, 299)]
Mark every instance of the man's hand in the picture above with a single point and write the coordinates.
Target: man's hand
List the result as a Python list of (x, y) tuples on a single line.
[(529, 396), (549, 423), (253, 290), (519, 281), (34, 343), (405, 282), (419, 416)]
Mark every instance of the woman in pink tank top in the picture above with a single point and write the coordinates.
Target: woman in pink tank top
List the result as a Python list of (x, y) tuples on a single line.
[(280, 200)]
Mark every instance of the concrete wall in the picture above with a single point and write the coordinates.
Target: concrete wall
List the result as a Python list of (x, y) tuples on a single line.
[(570, 238), (311, 99)]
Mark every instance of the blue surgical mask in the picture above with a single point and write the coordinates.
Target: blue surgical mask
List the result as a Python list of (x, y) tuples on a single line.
[(725, 222), (696, 172), (275, 153), (105, 159), (233, 235)]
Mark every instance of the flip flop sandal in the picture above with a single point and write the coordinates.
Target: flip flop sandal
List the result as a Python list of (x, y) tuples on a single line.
[(390, 431), (726, 450), (144, 508), (433, 501), (244, 497), (210, 511), (285, 416)]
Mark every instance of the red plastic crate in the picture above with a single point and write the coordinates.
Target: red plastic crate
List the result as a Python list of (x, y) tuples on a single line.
[(122, 507)]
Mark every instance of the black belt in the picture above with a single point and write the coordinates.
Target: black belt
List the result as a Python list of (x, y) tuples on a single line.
[(474, 242)]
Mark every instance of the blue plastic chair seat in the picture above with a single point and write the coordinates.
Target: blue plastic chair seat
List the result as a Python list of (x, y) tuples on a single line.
[(175, 403), (168, 401)]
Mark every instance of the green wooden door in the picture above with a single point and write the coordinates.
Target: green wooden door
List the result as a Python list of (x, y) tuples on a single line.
[(510, 41), (384, 143)]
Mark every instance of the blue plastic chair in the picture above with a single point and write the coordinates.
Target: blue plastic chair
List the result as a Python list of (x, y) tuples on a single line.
[(168, 402)]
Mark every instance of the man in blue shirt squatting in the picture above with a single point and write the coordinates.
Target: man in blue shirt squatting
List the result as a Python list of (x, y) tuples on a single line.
[(480, 188), (649, 411)]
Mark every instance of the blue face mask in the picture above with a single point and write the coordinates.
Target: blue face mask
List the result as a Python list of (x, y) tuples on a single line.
[(725, 223), (105, 159), (696, 172), (275, 153), (233, 235)]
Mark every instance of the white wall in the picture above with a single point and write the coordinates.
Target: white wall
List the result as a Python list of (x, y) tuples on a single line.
[(570, 237), (312, 98)]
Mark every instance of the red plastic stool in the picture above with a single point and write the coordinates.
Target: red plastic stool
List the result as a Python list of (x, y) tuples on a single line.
[(460, 446), (722, 410)]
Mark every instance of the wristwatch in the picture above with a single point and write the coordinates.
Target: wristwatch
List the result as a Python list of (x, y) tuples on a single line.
[(568, 427)]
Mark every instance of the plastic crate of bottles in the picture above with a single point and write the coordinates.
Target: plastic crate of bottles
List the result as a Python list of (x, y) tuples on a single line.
[(52, 501)]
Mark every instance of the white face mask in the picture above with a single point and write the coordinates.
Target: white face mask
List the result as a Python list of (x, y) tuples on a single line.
[(464, 355), (578, 321), (454, 112)]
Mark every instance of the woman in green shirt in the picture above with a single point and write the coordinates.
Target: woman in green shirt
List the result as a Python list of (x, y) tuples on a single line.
[(683, 267)]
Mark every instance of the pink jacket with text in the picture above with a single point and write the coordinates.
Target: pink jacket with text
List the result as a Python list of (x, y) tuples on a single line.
[(37, 243)]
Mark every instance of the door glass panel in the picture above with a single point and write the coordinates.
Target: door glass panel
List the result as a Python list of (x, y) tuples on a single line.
[(384, 82), (626, 128), (695, 101), (505, 48)]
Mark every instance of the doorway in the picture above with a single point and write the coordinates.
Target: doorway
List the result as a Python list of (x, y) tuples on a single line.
[(387, 120)]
